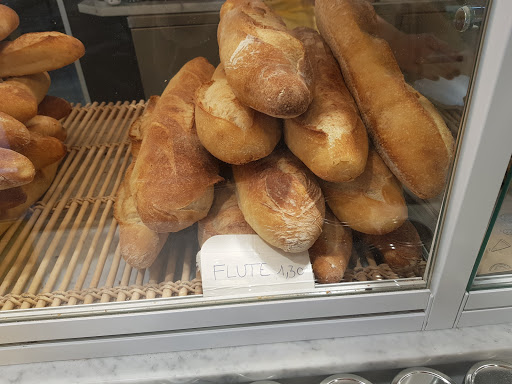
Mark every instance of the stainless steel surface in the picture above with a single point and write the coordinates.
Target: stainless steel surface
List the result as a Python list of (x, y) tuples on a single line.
[(421, 375), (345, 379), (489, 372), (173, 19)]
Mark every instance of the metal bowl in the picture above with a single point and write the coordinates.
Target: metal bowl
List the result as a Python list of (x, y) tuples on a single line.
[(345, 379), (421, 375), (489, 372)]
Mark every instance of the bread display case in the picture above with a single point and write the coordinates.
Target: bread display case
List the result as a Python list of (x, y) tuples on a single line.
[(313, 183)]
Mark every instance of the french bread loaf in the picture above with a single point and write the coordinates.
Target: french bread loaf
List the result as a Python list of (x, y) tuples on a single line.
[(139, 245), (43, 151), (331, 253), (405, 127), (38, 52), (373, 203), (266, 66), (9, 21), (400, 249), (281, 201), (135, 132), (55, 107), (13, 134), (330, 137), (229, 130), (173, 176), (18, 102), (15, 169), (46, 126), (225, 217), (38, 84)]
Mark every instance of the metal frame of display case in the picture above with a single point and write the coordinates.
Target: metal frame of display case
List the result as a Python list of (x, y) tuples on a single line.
[(96, 330)]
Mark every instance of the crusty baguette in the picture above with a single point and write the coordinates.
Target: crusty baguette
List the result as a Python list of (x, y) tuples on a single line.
[(225, 217), (38, 52), (266, 66), (43, 150), (38, 84), (373, 203), (18, 102), (135, 132), (281, 201), (12, 197), (9, 21), (138, 244), (55, 107), (407, 131), (173, 176), (330, 137), (34, 190), (13, 134), (15, 169), (331, 253), (400, 249), (229, 130), (46, 126)]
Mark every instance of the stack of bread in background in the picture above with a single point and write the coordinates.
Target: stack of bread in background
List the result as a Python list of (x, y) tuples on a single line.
[(353, 134), (31, 135)]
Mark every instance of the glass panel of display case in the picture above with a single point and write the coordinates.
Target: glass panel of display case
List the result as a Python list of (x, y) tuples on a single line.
[(493, 268), (320, 137)]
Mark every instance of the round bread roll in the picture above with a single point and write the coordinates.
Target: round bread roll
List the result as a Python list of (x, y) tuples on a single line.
[(373, 203)]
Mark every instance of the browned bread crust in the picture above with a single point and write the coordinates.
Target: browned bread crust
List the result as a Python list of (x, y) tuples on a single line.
[(38, 52), (17, 101), (265, 65), (38, 84), (372, 203), (173, 176), (46, 126), (43, 151), (407, 131), (55, 107), (330, 254), (281, 201), (9, 21), (13, 134), (330, 137), (15, 169), (229, 130)]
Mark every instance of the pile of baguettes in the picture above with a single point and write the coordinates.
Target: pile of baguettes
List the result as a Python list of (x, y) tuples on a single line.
[(31, 136), (332, 90)]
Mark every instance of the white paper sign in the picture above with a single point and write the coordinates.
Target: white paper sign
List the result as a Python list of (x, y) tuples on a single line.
[(234, 265)]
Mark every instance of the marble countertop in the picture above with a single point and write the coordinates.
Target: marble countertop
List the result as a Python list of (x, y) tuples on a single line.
[(279, 361)]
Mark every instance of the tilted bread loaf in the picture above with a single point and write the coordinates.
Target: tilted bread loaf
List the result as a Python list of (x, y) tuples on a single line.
[(9, 21), (43, 151), (173, 176), (281, 201), (46, 126), (373, 203), (38, 52), (406, 129), (266, 66), (229, 130), (329, 137), (38, 84), (18, 102), (13, 134), (15, 169), (55, 107), (135, 132)]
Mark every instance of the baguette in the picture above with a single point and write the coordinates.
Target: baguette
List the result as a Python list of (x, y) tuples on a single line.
[(173, 176), (229, 130), (400, 249), (38, 52), (13, 134), (18, 102), (55, 107), (43, 150), (138, 244), (373, 203), (46, 126), (331, 253), (224, 218), (34, 190), (37, 84), (9, 21), (330, 137), (12, 197), (135, 132), (281, 200), (406, 129), (15, 169), (267, 68)]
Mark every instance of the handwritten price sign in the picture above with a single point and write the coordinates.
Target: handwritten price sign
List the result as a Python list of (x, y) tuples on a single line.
[(245, 265)]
